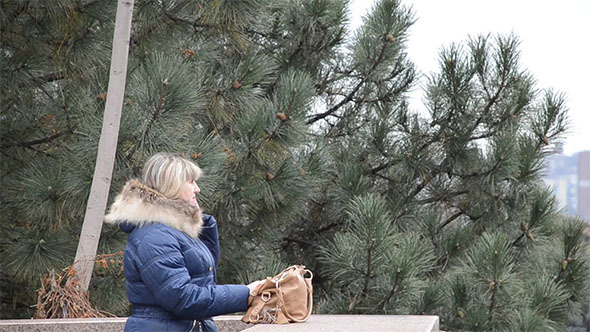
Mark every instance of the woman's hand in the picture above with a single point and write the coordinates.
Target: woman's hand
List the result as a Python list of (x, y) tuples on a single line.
[(253, 286)]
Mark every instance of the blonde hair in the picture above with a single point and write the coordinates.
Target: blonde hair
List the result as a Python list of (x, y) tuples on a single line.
[(167, 173)]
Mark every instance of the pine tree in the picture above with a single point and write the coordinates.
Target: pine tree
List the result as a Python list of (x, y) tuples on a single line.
[(310, 152), (470, 226)]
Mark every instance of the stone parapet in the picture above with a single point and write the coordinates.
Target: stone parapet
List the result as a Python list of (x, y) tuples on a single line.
[(63, 325), (356, 323), (319, 323)]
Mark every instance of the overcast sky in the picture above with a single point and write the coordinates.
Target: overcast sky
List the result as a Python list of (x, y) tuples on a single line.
[(554, 35)]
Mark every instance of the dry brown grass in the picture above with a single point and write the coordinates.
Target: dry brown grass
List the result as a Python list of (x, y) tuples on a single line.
[(61, 296)]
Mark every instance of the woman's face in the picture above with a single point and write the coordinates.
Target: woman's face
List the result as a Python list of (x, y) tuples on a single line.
[(189, 192)]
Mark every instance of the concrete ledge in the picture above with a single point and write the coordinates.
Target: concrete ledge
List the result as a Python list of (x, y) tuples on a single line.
[(224, 324), (65, 325), (319, 323), (360, 323)]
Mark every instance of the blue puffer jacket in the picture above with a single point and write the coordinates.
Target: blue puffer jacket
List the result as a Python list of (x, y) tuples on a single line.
[(170, 263)]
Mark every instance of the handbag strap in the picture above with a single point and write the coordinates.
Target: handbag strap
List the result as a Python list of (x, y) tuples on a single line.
[(257, 315), (309, 300), (254, 316)]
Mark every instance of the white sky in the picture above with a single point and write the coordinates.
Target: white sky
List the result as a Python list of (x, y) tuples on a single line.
[(554, 48)]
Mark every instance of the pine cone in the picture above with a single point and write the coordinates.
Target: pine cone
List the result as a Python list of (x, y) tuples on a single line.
[(187, 53), (282, 116), (523, 226), (236, 85)]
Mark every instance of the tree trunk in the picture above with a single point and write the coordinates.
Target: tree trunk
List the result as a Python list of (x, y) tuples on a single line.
[(107, 146)]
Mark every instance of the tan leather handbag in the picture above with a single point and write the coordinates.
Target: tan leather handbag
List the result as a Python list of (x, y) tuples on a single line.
[(285, 298)]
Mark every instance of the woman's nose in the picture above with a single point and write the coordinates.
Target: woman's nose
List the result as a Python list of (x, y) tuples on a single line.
[(196, 189)]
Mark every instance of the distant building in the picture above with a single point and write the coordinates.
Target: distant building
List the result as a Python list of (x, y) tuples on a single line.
[(569, 176), (561, 173), (584, 185)]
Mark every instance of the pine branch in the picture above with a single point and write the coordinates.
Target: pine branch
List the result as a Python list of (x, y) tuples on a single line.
[(136, 38), (493, 100), (391, 92), (336, 107), (30, 144), (525, 231), (517, 240), (388, 164), (495, 124), (368, 275), (327, 228), (304, 242), (158, 110), (385, 177), (14, 157), (443, 196), (446, 259), (285, 116), (422, 185), (172, 16), (449, 220), (494, 287), (337, 132), (480, 173), (461, 212), (492, 304), (353, 92), (322, 86), (384, 302), (379, 148), (86, 5), (51, 77), (258, 33), (480, 118), (369, 267)]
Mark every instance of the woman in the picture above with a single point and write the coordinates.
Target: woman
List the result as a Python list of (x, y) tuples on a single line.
[(172, 251)]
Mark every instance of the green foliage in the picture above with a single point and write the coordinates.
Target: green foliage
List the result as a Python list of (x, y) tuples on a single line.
[(107, 290), (36, 253), (372, 264), (484, 286), (310, 152)]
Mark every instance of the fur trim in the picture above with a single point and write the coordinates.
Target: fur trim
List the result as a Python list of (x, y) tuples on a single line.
[(138, 204)]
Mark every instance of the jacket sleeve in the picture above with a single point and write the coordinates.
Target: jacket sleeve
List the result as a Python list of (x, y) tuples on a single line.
[(163, 270), (210, 236)]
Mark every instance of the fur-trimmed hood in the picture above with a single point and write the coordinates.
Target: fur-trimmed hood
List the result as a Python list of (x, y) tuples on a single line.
[(138, 204)]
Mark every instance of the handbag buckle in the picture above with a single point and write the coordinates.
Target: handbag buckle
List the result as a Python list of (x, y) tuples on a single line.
[(255, 319)]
